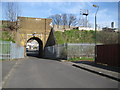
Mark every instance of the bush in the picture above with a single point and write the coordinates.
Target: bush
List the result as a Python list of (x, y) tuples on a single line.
[(7, 36), (75, 36)]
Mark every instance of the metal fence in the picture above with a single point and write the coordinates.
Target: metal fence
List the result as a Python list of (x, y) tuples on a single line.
[(55, 52), (80, 50), (70, 50), (9, 50), (4, 50), (108, 54)]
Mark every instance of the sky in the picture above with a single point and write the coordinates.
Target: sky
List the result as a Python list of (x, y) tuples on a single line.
[(107, 13)]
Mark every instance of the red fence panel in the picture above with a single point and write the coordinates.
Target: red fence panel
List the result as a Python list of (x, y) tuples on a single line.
[(108, 54)]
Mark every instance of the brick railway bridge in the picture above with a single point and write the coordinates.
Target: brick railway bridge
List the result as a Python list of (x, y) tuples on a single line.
[(38, 29)]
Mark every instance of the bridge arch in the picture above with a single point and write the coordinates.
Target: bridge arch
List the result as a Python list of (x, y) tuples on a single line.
[(40, 51)]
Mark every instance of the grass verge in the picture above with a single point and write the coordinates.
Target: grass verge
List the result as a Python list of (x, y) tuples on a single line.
[(81, 59)]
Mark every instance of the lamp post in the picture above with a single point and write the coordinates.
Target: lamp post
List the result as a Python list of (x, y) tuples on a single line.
[(96, 29)]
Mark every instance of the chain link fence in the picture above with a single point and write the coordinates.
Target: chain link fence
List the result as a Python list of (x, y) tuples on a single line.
[(70, 50), (9, 50), (80, 50), (55, 52)]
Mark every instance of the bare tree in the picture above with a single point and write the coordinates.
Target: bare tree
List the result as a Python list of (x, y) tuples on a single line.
[(56, 20), (72, 20), (89, 25), (64, 20), (12, 11), (82, 22), (53, 20), (107, 37)]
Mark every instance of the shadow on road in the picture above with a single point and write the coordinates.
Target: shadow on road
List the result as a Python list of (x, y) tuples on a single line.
[(32, 53), (92, 63), (36, 54)]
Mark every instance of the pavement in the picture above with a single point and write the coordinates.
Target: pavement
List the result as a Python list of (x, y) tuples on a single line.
[(107, 71)]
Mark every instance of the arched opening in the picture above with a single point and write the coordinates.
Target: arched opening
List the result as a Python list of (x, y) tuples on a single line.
[(34, 47)]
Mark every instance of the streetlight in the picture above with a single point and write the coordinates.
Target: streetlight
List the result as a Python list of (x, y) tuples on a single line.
[(96, 29)]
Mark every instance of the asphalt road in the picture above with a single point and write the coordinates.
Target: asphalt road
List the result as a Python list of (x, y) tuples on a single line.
[(6, 67), (43, 73)]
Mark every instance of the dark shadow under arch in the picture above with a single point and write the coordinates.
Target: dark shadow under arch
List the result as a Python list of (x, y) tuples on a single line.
[(40, 51)]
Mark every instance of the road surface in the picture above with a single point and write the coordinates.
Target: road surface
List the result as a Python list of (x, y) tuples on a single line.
[(45, 73)]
